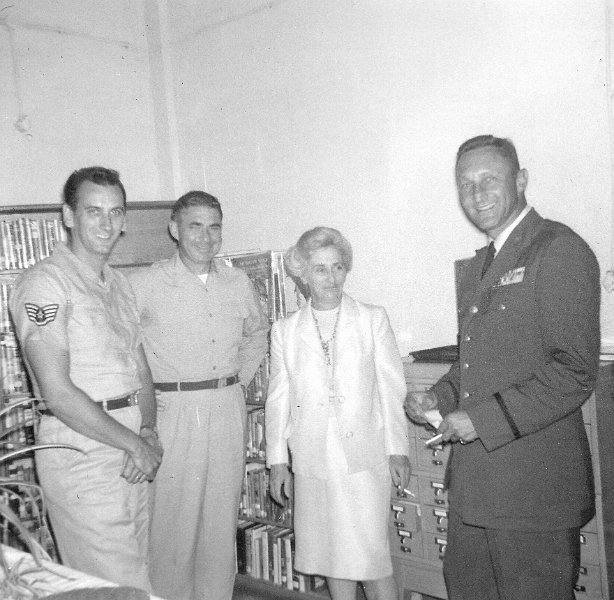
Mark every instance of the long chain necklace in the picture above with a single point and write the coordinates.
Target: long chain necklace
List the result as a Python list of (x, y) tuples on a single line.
[(326, 344)]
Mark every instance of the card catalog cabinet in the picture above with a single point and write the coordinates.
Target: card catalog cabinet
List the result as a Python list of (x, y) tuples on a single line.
[(419, 516)]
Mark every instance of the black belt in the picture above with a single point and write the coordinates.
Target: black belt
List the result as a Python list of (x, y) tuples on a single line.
[(192, 386), (114, 404)]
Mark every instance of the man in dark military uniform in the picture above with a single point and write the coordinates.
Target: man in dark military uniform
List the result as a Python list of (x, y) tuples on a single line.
[(520, 479)]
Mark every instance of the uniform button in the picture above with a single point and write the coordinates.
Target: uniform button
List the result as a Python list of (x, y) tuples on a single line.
[(349, 434), (502, 307), (467, 338), (474, 309), (465, 365), (466, 395), (213, 341), (214, 368)]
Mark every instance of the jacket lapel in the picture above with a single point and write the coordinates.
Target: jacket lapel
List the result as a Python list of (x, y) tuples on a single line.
[(346, 341), (506, 259), (308, 332)]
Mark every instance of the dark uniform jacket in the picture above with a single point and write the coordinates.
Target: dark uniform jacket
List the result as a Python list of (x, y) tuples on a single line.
[(529, 351)]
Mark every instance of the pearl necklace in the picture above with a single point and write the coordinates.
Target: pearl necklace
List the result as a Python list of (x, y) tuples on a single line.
[(326, 344)]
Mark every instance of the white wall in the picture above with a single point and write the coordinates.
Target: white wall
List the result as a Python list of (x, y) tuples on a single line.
[(80, 70), (349, 113), (304, 112)]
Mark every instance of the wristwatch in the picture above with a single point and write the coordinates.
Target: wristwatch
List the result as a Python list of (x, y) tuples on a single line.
[(154, 430)]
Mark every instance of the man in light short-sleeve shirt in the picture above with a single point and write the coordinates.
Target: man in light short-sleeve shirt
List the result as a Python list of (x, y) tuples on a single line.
[(78, 328), (205, 334)]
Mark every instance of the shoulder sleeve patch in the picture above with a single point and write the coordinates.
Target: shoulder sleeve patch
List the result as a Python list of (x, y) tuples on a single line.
[(41, 315)]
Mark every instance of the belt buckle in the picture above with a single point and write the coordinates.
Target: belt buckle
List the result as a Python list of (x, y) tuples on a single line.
[(221, 382), (134, 398)]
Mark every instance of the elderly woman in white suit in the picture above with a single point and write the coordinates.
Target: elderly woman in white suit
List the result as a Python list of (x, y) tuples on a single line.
[(335, 420)]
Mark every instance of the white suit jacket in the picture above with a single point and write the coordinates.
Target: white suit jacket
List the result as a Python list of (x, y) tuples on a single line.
[(369, 391)]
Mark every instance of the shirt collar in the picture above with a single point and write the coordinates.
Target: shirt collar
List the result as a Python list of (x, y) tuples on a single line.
[(66, 255), (185, 272), (502, 237)]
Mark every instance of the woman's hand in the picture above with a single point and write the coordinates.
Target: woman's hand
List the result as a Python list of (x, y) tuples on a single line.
[(280, 483), (400, 470)]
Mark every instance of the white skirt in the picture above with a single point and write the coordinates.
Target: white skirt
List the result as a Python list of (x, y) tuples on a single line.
[(341, 523)]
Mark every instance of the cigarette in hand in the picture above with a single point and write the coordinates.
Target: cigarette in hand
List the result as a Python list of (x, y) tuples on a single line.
[(406, 491), (434, 440)]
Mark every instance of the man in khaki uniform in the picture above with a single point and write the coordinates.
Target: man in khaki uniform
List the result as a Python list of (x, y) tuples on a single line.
[(205, 334), (78, 327)]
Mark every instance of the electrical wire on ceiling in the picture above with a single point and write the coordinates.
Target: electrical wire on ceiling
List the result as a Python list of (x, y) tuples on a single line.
[(22, 123)]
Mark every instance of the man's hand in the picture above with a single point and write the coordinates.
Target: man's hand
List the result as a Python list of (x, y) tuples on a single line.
[(400, 470), (151, 437), (417, 403), (280, 483), (457, 427), (142, 461)]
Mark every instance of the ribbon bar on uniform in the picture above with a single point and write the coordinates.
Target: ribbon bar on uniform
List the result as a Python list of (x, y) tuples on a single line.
[(192, 386)]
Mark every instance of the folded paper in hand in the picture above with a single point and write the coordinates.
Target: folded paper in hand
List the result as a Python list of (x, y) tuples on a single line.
[(433, 417)]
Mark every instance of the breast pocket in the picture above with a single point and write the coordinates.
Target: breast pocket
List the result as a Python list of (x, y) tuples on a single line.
[(505, 300), (89, 322), (233, 315)]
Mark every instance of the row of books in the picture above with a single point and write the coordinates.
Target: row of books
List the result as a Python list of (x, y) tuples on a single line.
[(255, 434), (25, 241), (256, 391), (256, 501), (277, 291), (267, 552), (14, 377)]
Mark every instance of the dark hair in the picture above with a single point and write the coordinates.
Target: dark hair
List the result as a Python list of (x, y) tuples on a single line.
[(97, 175), (195, 198), (298, 256), (504, 146)]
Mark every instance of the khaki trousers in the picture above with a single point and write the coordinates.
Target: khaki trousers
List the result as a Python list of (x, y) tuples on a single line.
[(98, 519), (195, 496)]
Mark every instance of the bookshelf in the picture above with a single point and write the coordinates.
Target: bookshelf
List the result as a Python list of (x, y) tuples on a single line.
[(28, 234), (265, 538)]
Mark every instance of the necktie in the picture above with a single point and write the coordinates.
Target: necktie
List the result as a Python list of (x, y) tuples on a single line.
[(490, 255)]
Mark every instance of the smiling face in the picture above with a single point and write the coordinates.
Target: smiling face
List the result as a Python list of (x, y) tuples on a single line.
[(96, 223), (325, 276), (490, 189), (198, 231)]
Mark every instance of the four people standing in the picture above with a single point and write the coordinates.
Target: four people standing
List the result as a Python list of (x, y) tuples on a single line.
[(520, 481), (519, 478)]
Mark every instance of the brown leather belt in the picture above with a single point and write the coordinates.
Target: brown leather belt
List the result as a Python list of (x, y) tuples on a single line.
[(192, 386), (113, 404)]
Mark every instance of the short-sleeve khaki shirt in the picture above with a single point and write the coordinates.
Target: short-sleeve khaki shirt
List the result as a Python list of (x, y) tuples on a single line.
[(63, 303)]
